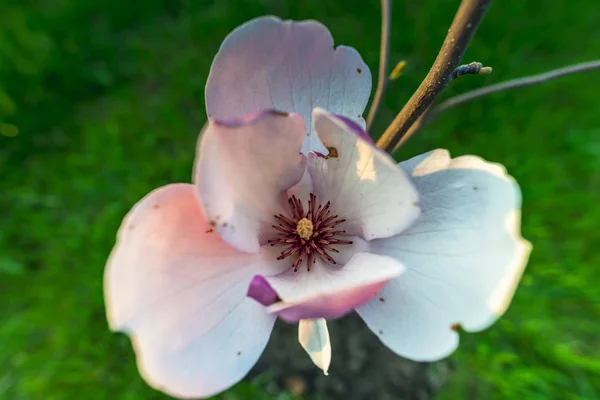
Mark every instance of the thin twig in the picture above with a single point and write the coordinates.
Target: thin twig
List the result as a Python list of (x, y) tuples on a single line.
[(467, 19), (514, 84), (386, 16), (428, 116)]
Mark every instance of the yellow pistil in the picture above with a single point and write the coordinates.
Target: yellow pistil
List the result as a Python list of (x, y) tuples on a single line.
[(304, 228)]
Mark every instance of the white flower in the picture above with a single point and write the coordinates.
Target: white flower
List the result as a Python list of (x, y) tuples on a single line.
[(294, 213)]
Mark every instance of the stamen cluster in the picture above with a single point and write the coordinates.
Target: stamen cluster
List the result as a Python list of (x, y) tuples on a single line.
[(308, 234)]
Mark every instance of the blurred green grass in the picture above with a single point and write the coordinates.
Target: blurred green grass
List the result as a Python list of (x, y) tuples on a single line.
[(108, 100)]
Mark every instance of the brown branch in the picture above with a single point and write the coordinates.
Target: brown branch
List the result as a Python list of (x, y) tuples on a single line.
[(423, 120), (467, 19), (474, 68), (430, 114), (386, 16)]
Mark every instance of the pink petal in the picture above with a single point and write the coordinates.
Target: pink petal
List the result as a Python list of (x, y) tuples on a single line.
[(364, 185), (464, 257), (243, 166), (326, 291), (261, 291), (289, 66), (179, 291)]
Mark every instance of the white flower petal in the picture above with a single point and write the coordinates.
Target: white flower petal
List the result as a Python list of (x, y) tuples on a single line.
[(179, 291), (364, 185), (289, 66), (314, 338), (243, 169), (464, 257)]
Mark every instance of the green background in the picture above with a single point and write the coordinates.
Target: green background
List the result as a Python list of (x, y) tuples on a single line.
[(107, 97)]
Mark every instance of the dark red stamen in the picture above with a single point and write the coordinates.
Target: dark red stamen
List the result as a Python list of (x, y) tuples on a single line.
[(321, 240)]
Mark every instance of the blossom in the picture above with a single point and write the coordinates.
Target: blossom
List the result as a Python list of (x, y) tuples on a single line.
[(294, 213)]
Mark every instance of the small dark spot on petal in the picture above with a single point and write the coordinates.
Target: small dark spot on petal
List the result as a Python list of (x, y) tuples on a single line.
[(211, 230), (155, 206), (131, 227), (359, 116), (239, 353), (359, 70), (455, 327), (224, 224), (380, 332), (475, 188), (212, 223), (218, 217), (333, 153), (415, 203), (381, 299)]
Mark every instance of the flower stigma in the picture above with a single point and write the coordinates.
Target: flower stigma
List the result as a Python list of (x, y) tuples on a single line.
[(309, 234), (305, 228)]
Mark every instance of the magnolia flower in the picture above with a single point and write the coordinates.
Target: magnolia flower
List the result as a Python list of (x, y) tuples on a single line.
[(294, 213)]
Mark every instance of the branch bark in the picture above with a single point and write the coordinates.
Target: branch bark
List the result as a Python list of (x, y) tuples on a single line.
[(467, 19)]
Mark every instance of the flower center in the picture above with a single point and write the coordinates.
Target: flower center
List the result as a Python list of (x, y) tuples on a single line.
[(305, 228), (308, 234)]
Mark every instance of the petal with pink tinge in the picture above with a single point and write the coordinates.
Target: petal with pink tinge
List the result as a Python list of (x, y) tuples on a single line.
[(464, 257), (329, 291), (289, 66), (375, 196), (179, 291), (243, 167)]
